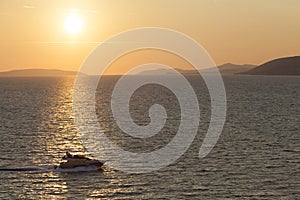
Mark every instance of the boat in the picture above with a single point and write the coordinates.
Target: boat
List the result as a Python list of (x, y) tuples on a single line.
[(70, 161)]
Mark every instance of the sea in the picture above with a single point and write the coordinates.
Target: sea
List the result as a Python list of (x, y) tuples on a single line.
[(257, 155)]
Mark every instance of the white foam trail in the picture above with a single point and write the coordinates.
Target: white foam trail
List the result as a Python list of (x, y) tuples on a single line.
[(48, 168)]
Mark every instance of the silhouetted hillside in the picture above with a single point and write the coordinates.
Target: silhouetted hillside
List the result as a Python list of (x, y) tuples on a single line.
[(37, 73), (226, 69), (281, 66), (230, 68)]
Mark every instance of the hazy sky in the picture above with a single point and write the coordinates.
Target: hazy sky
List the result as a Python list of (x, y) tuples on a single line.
[(33, 33)]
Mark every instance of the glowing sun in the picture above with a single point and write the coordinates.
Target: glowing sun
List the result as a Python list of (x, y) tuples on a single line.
[(73, 23)]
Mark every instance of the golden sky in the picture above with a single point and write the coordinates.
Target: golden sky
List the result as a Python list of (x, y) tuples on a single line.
[(33, 32)]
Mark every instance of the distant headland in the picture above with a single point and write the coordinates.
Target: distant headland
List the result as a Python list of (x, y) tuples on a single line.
[(37, 73), (225, 69), (280, 66)]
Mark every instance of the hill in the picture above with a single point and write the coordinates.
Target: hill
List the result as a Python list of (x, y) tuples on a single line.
[(37, 73), (226, 69), (281, 66), (230, 68)]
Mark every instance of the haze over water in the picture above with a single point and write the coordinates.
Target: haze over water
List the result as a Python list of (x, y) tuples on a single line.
[(256, 157)]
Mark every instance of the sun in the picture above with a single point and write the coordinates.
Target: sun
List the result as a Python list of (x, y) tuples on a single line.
[(73, 24)]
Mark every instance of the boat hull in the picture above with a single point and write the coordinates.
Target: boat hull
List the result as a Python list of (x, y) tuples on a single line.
[(73, 163)]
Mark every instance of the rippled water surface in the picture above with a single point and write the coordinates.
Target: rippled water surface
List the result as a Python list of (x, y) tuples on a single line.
[(256, 157)]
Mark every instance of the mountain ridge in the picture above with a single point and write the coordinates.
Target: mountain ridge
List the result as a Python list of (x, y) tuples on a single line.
[(279, 66), (37, 73), (225, 69)]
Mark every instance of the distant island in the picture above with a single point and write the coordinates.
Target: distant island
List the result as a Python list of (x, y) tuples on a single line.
[(225, 69), (230, 68), (281, 66), (37, 73)]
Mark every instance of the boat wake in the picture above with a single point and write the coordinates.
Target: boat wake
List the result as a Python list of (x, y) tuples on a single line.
[(45, 169), (69, 163), (27, 169)]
